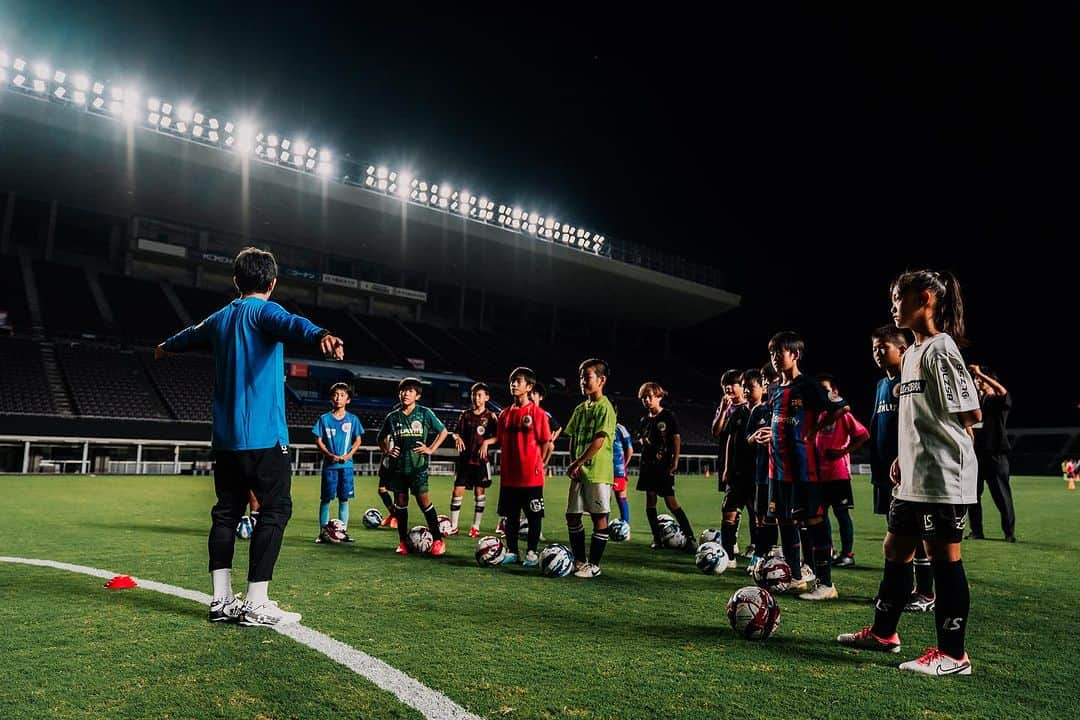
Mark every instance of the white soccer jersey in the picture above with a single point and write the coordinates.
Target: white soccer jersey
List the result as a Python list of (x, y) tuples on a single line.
[(937, 458)]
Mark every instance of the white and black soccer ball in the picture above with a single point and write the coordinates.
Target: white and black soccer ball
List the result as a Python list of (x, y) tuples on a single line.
[(421, 539), (333, 532), (709, 535), (753, 613), (618, 530), (665, 519), (711, 558), (556, 561), (672, 537), (773, 574), (490, 551), (372, 518), (445, 525), (245, 528)]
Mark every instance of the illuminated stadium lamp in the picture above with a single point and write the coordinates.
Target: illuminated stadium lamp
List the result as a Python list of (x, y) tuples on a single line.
[(213, 136), (59, 76), (311, 153), (19, 65), (4, 59), (272, 153), (153, 118), (260, 150), (444, 192), (58, 93), (99, 88), (284, 156), (516, 213), (272, 140), (39, 86), (153, 104), (198, 118), (81, 82), (41, 71), (185, 113), (310, 165), (166, 108), (214, 125), (299, 148), (181, 127), (98, 103), (532, 228), (229, 127), (117, 93), (116, 107), (197, 131), (382, 173), (383, 185), (285, 144), (298, 160), (324, 156), (165, 121)]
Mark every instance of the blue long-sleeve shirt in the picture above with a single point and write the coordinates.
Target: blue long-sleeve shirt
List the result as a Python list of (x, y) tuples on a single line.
[(249, 365)]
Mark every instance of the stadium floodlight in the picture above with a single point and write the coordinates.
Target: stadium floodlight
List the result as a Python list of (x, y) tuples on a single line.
[(153, 104), (39, 86), (98, 103), (58, 93), (272, 153), (41, 71), (180, 127), (5, 60), (19, 65), (285, 156), (197, 131), (324, 156), (99, 88), (165, 121), (80, 81), (405, 185), (214, 124), (310, 165), (116, 92), (213, 136), (59, 76), (285, 144), (312, 152), (184, 112), (153, 118), (382, 173), (198, 118), (229, 127), (299, 148), (272, 140)]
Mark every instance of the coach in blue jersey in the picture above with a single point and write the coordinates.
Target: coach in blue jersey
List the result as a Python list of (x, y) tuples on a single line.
[(250, 438)]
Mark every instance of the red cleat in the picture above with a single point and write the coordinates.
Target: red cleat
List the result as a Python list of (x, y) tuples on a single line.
[(402, 549), (474, 532), (438, 548)]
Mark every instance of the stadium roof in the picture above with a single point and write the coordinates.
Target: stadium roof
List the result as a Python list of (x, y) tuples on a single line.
[(94, 162)]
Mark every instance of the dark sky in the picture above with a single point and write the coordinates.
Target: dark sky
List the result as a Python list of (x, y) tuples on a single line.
[(811, 154)]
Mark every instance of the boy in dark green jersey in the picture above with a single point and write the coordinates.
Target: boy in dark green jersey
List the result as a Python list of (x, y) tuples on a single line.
[(402, 440)]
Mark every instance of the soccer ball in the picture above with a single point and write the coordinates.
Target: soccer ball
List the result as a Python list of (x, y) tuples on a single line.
[(663, 520), (753, 613), (619, 530), (421, 539), (372, 518), (711, 558), (708, 536), (672, 536), (773, 574), (556, 561), (245, 528), (445, 525), (489, 551)]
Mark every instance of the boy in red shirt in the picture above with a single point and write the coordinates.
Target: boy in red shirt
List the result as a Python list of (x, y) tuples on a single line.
[(524, 435)]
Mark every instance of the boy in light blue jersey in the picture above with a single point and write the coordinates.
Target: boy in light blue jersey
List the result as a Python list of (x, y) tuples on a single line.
[(338, 434)]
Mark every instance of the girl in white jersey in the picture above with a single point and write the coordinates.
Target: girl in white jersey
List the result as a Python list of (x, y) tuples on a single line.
[(935, 475)]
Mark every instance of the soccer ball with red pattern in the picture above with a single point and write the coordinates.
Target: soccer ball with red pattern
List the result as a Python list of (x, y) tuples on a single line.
[(753, 613)]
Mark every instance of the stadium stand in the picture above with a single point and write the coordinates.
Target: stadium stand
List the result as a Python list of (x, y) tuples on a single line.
[(185, 383), (13, 297), (140, 308), (24, 387), (106, 382), (68, 306)]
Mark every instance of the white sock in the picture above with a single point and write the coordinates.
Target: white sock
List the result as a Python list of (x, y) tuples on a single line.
[(257, 593), (454, 515), (222, 580)]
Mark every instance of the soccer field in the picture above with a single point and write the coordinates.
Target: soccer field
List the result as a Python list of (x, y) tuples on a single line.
[(648, 639)]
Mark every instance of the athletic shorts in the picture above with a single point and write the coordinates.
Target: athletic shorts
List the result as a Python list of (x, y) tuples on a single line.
[(929, 521), (515, 500), (837, 493), (416, 484), (882, 499), (656, 480), (473, 476), (586, 497), (337, 483), (794, 500), (619, 484), (740, 494)]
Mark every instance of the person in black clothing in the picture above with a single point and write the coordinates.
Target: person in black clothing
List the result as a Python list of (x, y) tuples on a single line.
[(992, 451)]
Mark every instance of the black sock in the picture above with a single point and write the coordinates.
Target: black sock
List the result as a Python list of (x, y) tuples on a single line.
[(387, 500), (805, 541), (847, 530), (536, 524), (512, 527), (924, 572), (577, 539), (768, 534), (654, 524), (789, 540), (684, 525), (893, 595), (952, 606), (822, 552), (401, 512), (432, 517), (735, 537), (752, 526), (596, 547), (728, 533)]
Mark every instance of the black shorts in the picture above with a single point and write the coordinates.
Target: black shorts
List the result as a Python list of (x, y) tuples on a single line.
[(929, 521), (795, 500), (657, 480), (882, 499), (837, 493), (267, 473), (515, 500), (740, 493), (473, 476)]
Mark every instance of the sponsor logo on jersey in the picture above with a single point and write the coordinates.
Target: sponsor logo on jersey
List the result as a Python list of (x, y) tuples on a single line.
[(946, 381), (887, 407), (961, 379), (346, 427), (896, 390), (527, 421), (661, 426), (480, 429), (912, 387), (417, 426)]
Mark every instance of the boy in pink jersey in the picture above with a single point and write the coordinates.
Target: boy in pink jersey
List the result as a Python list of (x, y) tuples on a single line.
[(835, 443)]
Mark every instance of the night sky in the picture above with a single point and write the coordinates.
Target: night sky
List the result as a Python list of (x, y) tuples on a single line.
[(811, 154)]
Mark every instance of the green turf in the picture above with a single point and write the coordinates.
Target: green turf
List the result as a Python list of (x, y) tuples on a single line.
[(646, 640)]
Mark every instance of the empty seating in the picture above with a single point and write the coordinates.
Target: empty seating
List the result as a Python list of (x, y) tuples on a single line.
[(106, 382), (13, 295), (67, 305), (23, 385), (185, 382), (140, 308)]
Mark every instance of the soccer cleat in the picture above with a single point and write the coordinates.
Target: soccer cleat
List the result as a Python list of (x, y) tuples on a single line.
[(474, 532), (393, 522), (267, 614), (1008, 539), (752, 565), (919, 603), (500, 529), (223, 610), (347, 538), (935, 662), (750, 552), (319, 540), (732, 564), (588, 570), (798, 586), (531, 559), (821, 591), (974, 536), (866, 640), (453, 531), (438, 548), (389, 521), (844, 560), (808, 574), (509, 559), (402, 549)]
